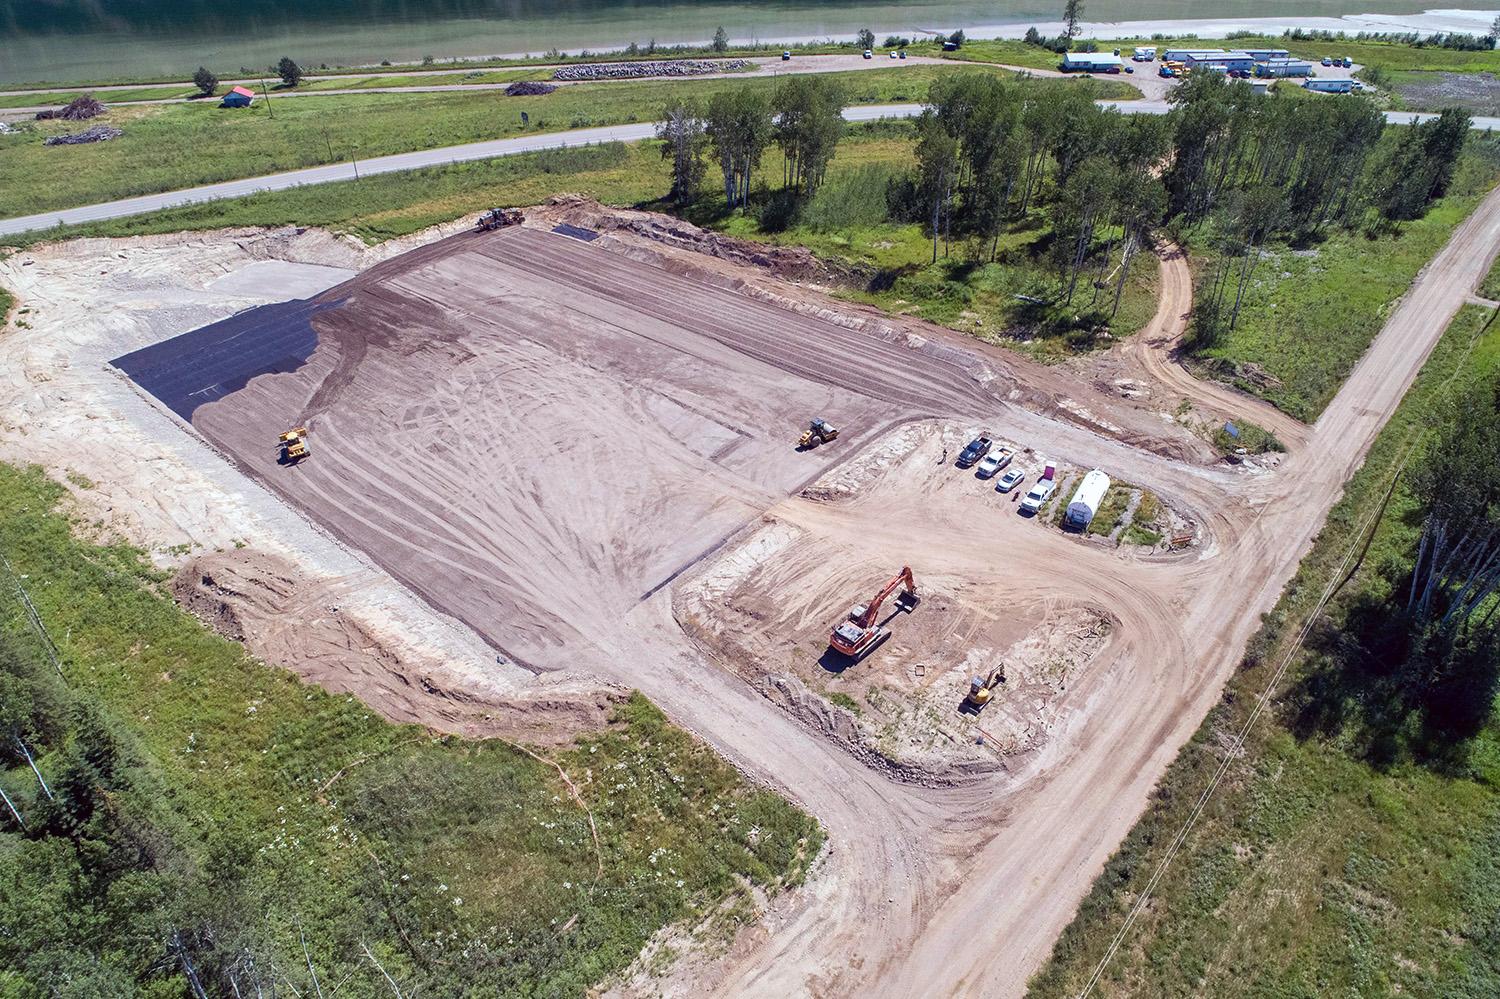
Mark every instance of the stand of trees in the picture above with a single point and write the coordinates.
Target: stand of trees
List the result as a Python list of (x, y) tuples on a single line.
[(1251, 169), (1453, 596)]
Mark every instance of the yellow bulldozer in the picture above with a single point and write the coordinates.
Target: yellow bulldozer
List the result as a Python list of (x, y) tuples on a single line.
[(821, 432), (293, 445)]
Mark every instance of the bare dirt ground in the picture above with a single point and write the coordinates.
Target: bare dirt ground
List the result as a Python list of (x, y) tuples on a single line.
[(526, 339)]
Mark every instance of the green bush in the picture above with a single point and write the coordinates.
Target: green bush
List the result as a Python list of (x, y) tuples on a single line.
[(850, 199)]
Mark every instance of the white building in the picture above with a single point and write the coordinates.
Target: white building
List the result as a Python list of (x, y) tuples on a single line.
[(1084, 505)]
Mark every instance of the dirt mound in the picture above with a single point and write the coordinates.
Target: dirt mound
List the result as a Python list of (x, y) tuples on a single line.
[(792, 263), (528, 88), (260, 600), (78, 109)]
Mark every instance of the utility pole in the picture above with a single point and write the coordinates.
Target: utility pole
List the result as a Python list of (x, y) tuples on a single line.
[(267, 91)]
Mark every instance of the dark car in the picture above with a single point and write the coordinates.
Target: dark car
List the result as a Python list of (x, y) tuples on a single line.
[(978, 448)]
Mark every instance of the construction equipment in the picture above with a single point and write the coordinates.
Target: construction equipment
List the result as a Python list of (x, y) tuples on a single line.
[(498, 218), (981, 690), (294, 445), (861, 633), (821, 432)]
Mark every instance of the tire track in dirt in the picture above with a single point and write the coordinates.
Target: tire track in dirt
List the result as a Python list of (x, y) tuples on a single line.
[(1156, 349)]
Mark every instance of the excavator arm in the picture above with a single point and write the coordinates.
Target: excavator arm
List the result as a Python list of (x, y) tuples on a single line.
[(872, 612)]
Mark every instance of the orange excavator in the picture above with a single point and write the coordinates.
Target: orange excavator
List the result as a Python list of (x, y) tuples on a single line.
[(860, 633)]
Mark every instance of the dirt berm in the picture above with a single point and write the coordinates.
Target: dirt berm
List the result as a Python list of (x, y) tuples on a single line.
[(286, 619)]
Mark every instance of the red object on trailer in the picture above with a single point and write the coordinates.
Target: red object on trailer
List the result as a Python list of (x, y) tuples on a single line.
[(1051, 472)]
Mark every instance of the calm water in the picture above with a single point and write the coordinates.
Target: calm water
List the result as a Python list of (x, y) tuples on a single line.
[(67, 40)]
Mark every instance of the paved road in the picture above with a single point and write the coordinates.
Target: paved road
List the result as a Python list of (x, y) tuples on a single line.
[(477, 151)]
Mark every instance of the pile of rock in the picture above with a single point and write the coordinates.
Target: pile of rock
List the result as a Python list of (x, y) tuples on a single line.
[(638, 70), (99, 133), (79, 109), (528, 88)]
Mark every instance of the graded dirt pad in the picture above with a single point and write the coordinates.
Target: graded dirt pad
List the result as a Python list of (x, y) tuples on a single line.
[(536, 434), (996, 589)]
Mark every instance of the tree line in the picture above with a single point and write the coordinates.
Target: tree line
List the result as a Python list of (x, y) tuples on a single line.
[(1235, 169)]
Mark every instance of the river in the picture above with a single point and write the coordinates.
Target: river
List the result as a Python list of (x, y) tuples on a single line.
[(103, 40)]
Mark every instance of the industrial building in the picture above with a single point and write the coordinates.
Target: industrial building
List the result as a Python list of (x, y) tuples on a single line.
[(1267, 55), (1183, 55), (1091, 62), (1223, 62), (1279, 68)]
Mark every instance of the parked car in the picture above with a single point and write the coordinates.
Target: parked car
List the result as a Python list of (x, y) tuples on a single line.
[(893, 55), (1130, 69), (786, 55), (978, 448), (1346, 62), (1010, 480), (1327, 61), (869, 54), (903, 53), (994, 462), (1038, 495)]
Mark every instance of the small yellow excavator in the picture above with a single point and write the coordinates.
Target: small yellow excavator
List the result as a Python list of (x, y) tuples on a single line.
[(821, 432), (982, 690), (293, 445)]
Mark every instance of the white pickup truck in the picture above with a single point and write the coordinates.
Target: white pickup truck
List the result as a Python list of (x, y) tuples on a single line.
[(1038, 495)]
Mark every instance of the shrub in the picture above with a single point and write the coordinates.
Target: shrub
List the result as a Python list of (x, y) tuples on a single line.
[(850, 199), (205, 81)]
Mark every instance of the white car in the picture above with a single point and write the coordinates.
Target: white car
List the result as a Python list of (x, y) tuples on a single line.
[(1010, 480), (1038, 495), (993, 462)]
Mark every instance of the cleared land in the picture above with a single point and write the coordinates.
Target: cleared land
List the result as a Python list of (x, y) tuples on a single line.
[(926, 866)]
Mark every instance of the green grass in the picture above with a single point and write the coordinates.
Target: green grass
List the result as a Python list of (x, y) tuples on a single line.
[(1111, 509), (1314, 871), (182, 145), (1490, 287), (302, 809), (106, 96), (1309, 316)]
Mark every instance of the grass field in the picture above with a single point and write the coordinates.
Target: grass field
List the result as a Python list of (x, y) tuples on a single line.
[(1310, 313), (1318, 869), (182, 145), (456, 861)]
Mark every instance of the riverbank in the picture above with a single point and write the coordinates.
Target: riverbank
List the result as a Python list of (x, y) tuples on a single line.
[(82, 55)]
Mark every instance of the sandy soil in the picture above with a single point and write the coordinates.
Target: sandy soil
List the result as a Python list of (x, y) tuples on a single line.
[(136, 475), (955, 890), (764, 608)]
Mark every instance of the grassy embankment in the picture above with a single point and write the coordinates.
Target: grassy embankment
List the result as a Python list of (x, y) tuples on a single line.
[(1310, 313), (349, 82), (975, 298), (465, 863), (1318, 868), (182, 145)]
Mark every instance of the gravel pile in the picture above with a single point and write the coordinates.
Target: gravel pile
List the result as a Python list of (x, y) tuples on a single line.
[(99, 133), (528, 88), (637, 70), (79, 109)]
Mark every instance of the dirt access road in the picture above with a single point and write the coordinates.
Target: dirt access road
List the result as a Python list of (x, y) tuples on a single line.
[(925, 891), (1157, 350)]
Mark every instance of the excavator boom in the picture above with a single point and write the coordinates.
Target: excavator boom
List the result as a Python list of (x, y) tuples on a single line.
[(872, 612)]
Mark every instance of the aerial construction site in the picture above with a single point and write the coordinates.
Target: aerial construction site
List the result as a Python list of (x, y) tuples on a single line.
[(502, 472)]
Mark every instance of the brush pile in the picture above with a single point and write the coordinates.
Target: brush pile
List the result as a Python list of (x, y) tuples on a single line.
[(528, 88), (99, 133), (79, 109)]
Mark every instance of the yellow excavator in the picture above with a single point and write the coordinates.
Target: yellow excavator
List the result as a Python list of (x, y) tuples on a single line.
[(293, 445), (982, 690), (821, 432)]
